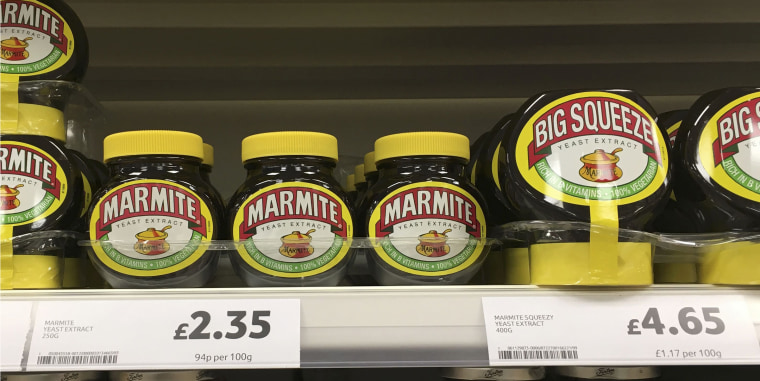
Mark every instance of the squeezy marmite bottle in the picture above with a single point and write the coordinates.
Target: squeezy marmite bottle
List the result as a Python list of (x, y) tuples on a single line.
[(718, 151), (426, 219), (675, 266), (40, 190), (151, 224), (588, 156), (291, 218)]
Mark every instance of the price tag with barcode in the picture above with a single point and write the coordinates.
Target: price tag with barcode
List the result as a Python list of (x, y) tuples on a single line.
[(165, 334), (615, 329)]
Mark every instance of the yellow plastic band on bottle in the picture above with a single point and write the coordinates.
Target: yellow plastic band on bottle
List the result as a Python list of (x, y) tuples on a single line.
[(517, 262), (37, 271), (9, 103), (568, 263), (731, 263), (603, 242), (6, 257)]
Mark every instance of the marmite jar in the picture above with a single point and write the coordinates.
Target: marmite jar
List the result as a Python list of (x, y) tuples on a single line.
[(207, 166), (151, 224), (719, 166), (571, 373), (370, 170), (426, 220), (496, 373), (360, 183), (588, 156), (291, 219), (351, 188), (476, 149), (42, 39), (674, 266), (492, 162), (40, 184), (719, 178)]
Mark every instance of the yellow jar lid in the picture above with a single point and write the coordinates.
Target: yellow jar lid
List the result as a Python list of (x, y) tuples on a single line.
[(350, 185), (359, 174), (369, 163), (152, 142), (38, 120), (422, 144), (290, 143), (208, 155)]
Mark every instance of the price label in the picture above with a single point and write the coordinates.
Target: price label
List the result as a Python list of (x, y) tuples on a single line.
[(166, 334), (620, 329), (15, 320)]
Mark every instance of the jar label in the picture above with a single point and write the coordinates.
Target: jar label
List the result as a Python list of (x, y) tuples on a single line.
[(150, 227), (35, 38), (729, 144), (673, 132), (592, 147), (430, 229), (32, 184), (293, 230)]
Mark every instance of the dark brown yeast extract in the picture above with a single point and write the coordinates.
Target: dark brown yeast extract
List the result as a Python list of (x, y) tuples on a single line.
[(291, 219), (151, 224), (426, 219)]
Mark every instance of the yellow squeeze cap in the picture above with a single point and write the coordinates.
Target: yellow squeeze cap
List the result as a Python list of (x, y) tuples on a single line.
[(208, 155), (350, 185), (152, 142), (38, 120), (290, 143), (359, 174), (369, 163), (422, 144)]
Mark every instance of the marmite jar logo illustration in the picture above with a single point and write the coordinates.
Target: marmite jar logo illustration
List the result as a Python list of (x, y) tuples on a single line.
[(8, 200), (297, 244), (14, 49), (601, 167), (293, 230), (135, 210), (433, 243), (152, 241)]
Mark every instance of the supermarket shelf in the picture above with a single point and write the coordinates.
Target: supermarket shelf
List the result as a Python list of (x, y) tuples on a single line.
[(389, 326), (425, 13)]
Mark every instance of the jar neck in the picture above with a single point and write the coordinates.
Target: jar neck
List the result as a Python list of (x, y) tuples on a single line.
[(206, 173), (136, 165), (422, 165), (297, 165)]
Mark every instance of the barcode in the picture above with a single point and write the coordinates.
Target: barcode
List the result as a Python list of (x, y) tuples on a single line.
[(565, 354), (77, 359)]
